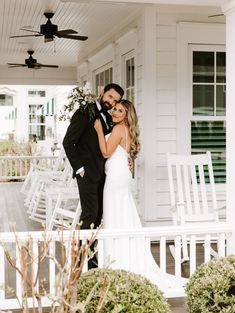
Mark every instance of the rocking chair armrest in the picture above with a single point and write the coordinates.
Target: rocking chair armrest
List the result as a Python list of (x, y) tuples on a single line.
[(176, 205)]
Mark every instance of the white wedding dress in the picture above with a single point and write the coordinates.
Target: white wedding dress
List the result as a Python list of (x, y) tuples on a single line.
[(120, 212)]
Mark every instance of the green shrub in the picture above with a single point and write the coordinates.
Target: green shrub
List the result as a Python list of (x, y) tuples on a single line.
[(9, 147), (211, 288), (126, 292)]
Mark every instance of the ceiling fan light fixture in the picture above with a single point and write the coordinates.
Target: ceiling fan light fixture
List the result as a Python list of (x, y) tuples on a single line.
[(48, 38)]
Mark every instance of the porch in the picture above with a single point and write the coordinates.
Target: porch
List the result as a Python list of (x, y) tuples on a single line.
[(14, 211)]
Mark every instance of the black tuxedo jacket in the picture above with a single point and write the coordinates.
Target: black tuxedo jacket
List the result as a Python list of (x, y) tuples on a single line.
[(82, 146)]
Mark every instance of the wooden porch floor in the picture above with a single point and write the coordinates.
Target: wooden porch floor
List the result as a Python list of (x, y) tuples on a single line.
[(13, 211)]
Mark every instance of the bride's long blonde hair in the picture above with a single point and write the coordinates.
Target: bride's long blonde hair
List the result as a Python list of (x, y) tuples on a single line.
[(131, 120)]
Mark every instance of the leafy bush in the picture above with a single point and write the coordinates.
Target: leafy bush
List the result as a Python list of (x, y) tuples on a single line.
[(211, 289), (120, 291), (9, 147)]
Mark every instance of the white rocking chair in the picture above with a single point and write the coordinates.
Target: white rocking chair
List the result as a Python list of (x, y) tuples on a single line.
[(67, 210), (192, 192)]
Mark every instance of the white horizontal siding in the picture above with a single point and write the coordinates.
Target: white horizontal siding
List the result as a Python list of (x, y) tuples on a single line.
[(165, 126)]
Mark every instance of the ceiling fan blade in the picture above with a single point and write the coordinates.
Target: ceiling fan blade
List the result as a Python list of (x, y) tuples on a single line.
[(65, 32), (26, 36), (74, 37), (214, 15), (16, 64), (46, 65), (32, 31)]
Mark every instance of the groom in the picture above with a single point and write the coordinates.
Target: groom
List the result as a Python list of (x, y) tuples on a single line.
[(82, 149)]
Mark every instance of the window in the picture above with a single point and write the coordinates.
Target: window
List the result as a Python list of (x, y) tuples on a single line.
[(36, 93), (102, 78), (208, 126), (36, 122), (6, 100), (129, 79)]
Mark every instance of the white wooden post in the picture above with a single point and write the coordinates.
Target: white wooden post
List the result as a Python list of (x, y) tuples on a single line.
[(229, 11), (148, 108)]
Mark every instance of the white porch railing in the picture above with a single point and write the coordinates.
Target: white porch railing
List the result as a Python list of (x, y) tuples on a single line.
[(17, 167), (204, 235)]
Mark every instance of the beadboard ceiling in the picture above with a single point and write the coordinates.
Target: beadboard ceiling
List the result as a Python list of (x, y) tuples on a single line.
[(97, 20)]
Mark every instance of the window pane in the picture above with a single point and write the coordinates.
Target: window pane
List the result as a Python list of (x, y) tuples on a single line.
[(97, 84), (102, 79), (42, 93), (38, 130), (211, 136), (203, 66), (6, 100), (203, 100), (36, 122), (220, 67), (107, 77), (132, 72), (220, 100), (128, 73)]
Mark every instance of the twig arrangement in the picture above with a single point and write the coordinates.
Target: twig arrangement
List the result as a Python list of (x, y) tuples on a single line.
[(72, 255)]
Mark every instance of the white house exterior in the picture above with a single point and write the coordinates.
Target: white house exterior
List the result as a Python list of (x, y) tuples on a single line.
[(161, 40)]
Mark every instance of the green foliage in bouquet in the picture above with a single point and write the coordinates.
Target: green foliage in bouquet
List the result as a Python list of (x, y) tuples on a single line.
[(81, 98), (113, 291), (211, 289)]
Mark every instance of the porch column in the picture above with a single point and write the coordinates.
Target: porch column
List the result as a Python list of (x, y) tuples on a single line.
[(229, 11), (148, 108)]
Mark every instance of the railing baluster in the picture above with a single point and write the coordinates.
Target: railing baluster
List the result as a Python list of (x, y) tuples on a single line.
[(163, 254), (178, 256), (18, 276), (2, 274), (11, 168), (192, 264), (207, 248), (101, 253), (21, 168), (221, 245), (35, 263), (52, 267)]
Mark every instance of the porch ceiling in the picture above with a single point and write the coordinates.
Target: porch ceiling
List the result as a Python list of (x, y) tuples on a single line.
[(99, 20)]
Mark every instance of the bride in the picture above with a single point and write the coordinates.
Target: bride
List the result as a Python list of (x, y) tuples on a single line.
[(119, 210)]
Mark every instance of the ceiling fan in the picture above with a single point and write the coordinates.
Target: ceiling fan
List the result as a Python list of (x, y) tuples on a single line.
[(31, 63), (50, 31)]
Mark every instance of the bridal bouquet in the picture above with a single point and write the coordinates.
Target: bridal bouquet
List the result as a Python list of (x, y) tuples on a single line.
[(81, 98)]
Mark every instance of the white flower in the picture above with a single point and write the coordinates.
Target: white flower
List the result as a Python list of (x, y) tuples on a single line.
[(81, 98), (87, 88), (76, 106)]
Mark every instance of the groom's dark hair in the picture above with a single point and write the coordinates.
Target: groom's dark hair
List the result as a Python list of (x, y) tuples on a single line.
[(116, 87)]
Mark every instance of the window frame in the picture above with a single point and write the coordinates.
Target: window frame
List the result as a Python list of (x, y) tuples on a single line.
[(39, 106), (125, 57), (214, 48), (99, 71), (197, 34)]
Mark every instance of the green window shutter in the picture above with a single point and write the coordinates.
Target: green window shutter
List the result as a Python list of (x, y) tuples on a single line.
[(211, 136), (52, 106)]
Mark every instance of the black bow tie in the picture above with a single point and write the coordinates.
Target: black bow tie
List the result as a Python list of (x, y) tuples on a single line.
[(102, 110)]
